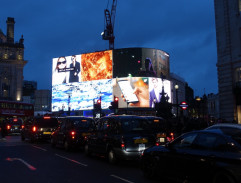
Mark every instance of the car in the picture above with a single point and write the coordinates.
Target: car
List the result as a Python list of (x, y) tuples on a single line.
[(13, 126), (39, 128), (120, 137), (197, 156), (161, 128), (72, 132), (226, 127)]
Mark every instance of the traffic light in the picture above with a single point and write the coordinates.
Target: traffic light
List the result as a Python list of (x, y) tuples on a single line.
[(114, 104), (97, 105)]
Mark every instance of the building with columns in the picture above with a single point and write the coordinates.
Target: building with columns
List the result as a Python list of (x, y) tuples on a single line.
[(228, 35), (11, 64)]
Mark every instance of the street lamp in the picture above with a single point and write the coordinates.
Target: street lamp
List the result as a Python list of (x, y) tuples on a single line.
[(198, 99), (176, 88)]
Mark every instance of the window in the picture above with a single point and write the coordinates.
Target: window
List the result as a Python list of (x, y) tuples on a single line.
[(205, 141), (184, 141)]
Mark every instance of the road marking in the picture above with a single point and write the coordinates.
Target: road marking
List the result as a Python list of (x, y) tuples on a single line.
[(24, 162), (71, 160), (39, 148), (125, 180)]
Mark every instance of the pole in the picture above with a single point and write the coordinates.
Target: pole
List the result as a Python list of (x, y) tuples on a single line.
[(177, 101)]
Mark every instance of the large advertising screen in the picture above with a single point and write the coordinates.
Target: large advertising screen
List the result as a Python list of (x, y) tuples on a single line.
[(77, 80), (85, 67), (80, 95), (140, 91)]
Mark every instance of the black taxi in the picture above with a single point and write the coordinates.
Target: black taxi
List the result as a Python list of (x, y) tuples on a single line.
[(120, 137), (39, 128), (72, 132)]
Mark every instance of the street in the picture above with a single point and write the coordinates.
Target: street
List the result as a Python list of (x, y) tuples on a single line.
[(35, 163)]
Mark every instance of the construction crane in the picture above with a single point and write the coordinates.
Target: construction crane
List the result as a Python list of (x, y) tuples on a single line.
[(108, 33)]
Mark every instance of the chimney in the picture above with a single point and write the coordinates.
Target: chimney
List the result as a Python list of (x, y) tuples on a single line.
[(10, 30)]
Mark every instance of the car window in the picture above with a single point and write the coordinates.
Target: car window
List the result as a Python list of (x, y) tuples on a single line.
[(114, 126), (231, 131), (82, 123), (15, 121), (223, 145), (132, 124), (184, 142), (52, 122), (205, 141), (102, 124)]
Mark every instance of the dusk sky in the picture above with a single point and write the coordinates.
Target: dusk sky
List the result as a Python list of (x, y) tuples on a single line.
[(184, 29)]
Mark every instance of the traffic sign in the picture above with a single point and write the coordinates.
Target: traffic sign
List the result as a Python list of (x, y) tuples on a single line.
[(183, 105)]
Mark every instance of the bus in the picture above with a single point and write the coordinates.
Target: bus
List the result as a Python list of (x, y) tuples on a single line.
[(11, 109)]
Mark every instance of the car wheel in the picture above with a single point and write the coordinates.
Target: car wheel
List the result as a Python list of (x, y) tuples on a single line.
[(112, 157), (53, 143), (149, 167), (223, 177)]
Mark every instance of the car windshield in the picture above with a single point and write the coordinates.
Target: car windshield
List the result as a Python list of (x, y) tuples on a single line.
[(52, 122), (130, 125), (82, 123)]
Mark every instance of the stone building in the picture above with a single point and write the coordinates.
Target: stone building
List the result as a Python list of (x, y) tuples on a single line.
[(11, 64), (228, 35)]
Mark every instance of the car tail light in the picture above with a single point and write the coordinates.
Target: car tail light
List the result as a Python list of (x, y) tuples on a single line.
[(73, 133), (8, 127), (22, 126), (34, 128), (172, 136), (122, 143), (157, 143)]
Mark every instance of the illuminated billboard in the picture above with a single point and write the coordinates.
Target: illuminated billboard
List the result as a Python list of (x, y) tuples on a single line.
[(80, 95), (140, 62), (77, 80), (132, 92), (85, 67), (140, 91), (97, 65)]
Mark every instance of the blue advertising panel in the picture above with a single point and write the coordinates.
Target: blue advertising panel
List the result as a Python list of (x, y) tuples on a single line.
[(80, 95)]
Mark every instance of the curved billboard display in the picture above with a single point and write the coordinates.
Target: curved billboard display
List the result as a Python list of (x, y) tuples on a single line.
[(78, 80)]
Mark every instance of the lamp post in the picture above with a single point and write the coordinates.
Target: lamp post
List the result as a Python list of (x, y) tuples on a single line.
[(176, 88), (198, 99)]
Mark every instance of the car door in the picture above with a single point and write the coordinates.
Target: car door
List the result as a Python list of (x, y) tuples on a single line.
[(103, 135), (61, 132), (209, 152), (95, 141), (176, 158)]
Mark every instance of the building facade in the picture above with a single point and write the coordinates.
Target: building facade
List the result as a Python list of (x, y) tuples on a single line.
[(11, 64), (29, 88), (228, 35), (213, 105), (42, 100)]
